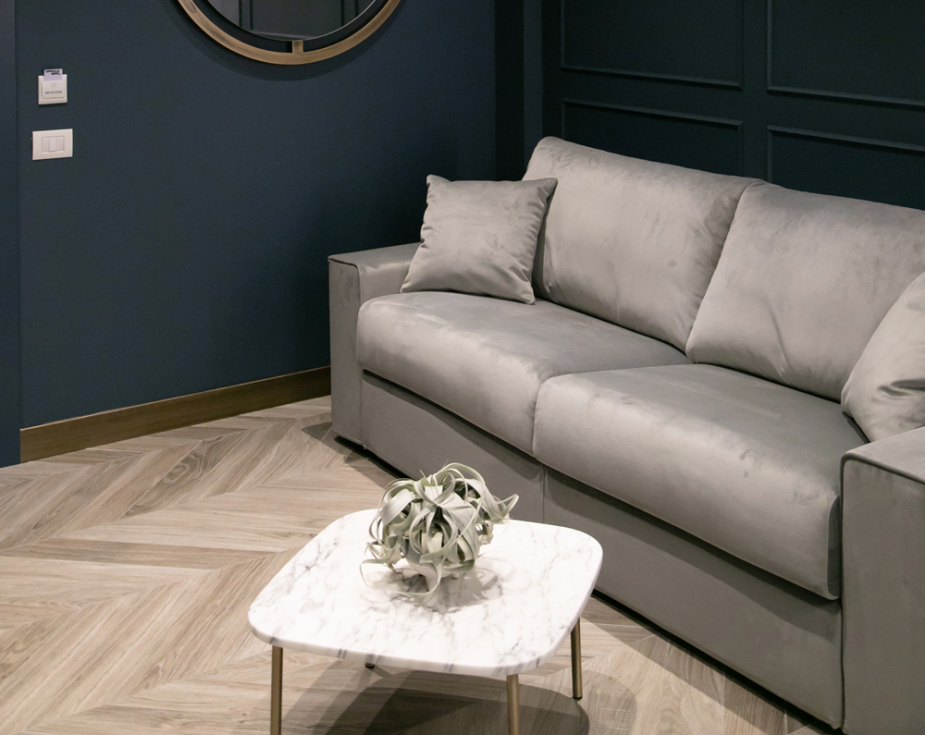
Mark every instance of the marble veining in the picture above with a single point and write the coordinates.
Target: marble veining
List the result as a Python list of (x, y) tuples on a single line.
[(507, 616)]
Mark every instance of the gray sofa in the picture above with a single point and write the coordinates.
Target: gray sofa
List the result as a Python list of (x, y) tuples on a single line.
[(674, 392)]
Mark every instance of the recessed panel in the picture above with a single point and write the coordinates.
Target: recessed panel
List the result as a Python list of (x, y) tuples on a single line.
[(683, 140), (876, 170), (674, 39), (853, 48)]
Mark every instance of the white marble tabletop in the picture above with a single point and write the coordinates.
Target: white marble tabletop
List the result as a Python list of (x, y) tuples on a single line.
[(508, 615)]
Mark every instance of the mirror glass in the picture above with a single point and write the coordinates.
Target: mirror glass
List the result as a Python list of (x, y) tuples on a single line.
[(291, 20)]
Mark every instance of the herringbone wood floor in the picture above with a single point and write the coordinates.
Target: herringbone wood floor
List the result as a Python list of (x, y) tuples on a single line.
[(126, 572)]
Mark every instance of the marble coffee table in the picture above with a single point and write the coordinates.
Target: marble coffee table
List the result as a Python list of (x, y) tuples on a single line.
[(509, 615)]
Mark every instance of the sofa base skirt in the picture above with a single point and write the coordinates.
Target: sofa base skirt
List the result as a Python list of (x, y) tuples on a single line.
[(780, 636), (417, 437)]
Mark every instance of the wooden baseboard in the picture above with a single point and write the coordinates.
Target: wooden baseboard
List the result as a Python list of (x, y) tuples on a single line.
[(60, 437)]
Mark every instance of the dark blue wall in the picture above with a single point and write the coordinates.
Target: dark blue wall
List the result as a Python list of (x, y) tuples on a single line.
[(183, 247), (519, 88), (9, 247), (819, 96)]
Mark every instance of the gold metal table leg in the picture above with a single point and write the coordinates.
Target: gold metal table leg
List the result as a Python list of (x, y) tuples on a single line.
[(513, 705), (576, 661), (276, 692)]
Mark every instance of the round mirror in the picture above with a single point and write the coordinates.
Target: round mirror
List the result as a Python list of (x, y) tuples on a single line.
[(289, 31)]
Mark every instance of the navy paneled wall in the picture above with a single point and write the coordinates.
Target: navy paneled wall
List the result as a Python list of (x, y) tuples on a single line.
[(184, 246), (813, 95)]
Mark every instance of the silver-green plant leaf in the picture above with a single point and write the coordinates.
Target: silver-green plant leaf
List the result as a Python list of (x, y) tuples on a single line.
[(437, 524)]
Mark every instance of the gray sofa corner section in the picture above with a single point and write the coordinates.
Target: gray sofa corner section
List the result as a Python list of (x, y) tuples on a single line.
[(355, 278), (883, 542)]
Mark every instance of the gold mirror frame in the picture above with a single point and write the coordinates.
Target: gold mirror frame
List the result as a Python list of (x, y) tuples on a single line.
[(297, 55)]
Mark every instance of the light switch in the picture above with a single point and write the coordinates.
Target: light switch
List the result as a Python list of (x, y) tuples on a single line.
[(53, 89), (52, 144)]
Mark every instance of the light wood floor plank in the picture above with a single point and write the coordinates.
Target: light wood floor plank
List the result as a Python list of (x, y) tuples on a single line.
[(82, 497), (126, 572), (748, 714), (115, 552)]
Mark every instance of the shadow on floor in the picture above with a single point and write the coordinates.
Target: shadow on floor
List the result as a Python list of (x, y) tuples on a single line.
[(421, 702)]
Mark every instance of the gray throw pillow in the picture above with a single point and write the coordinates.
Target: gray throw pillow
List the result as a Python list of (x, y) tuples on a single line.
[(885, 393), (480, 237)]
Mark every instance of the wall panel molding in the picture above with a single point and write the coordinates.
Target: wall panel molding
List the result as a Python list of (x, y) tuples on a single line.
[(814, 80), (848, 140), (735, 84), (827, 94), (731, 125), (60, 437)]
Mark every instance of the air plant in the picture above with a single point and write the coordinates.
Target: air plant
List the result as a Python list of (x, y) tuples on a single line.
[(437, 524)]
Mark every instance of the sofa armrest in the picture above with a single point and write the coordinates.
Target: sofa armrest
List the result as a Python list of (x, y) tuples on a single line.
[(883, 538), (353, 279)]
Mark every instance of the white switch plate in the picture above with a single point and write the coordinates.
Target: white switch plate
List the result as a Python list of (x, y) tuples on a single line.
[(52, 144), (53, 93)]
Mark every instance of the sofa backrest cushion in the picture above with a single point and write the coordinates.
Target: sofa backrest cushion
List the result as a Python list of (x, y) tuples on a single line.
[(629, 241), (803, 282), (885, 392)]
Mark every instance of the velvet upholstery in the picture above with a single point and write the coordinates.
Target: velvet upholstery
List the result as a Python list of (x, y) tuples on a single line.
[(480, 237), (485, 359), (418, 438), (781, 636), (885, 392), (630, 241), (744, 464), (355, 278), (802, 284), (715, 492), (884, 594)]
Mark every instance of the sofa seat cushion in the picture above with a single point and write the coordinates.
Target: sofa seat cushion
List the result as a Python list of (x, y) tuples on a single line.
[(747, 465), (484, 359)]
